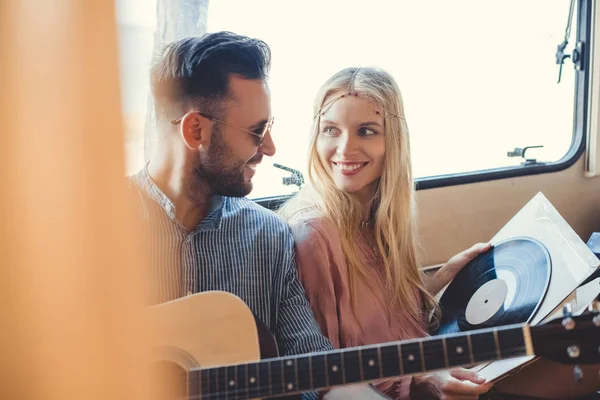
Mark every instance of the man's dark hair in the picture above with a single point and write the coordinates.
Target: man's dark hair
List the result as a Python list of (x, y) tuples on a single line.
[(197, 69)]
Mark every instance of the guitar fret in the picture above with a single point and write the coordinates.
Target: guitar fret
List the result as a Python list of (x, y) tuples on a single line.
[(459, 351), (327, 371), (310, 368), (264, 379), (526, 331), (484, 347), (222, 380), (360, 365), (371, 363), (226, 378), (334, 372), (390, 361), (193, 383), (411, 358), (400, 360), (351, 359), (231, 381), (212, 378), (304, 370), (446, 364), (282, 371), (512, 342), (296, 374), (277, 376), (422, 356), (205, 384), (343, 369), (432, 350), (253, 380), (319, 371), (290, 382), (497, 344), (470, 348), (270, 378), (380, 362), (242, 377)]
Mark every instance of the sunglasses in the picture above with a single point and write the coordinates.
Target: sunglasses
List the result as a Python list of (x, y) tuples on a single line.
[(260, 133)]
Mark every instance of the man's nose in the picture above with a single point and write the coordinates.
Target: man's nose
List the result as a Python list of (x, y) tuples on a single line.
[(268, 146)]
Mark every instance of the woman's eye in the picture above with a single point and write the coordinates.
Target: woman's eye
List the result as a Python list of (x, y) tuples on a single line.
[(366, 132), (329, 130)]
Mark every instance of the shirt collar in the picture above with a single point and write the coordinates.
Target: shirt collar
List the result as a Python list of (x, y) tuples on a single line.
[(210, 222)]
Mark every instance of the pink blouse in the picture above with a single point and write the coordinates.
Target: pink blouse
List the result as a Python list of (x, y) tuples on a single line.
[(323, 272)]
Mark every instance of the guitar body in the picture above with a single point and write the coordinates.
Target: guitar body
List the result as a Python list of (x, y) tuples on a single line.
[(204, 330)]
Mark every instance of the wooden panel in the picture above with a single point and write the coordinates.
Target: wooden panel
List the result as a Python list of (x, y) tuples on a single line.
[(453, 218)]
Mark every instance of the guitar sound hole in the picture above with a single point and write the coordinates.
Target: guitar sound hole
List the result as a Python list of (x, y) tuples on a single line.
[(169, 381)]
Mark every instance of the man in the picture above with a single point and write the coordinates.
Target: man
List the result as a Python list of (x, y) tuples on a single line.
[(213, 116)]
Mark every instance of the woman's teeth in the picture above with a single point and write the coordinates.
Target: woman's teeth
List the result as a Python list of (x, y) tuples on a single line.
[(350, 167)]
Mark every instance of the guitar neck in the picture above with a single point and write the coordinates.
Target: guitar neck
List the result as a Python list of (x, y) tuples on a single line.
[(308, 372)]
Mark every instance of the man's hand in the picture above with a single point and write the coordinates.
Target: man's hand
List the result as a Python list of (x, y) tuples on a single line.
[(448, 271), (454, 384)]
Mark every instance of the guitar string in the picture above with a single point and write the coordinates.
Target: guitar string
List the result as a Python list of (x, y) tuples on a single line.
[(268, 388)]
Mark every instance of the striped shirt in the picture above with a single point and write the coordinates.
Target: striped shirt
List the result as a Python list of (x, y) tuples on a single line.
[(241, 248)]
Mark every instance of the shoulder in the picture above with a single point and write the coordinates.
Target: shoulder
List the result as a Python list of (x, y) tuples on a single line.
[(256, 216), (138, 189), (140, 180), (316, 231), (318, 248), (134, 182)]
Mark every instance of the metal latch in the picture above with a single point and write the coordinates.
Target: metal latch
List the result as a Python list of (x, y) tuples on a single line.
[(520, 152)]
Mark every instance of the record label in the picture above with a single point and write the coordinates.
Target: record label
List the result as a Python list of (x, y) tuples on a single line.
[(505, 285), (486, 301)]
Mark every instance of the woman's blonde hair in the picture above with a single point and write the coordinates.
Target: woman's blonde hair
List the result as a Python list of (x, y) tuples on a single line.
[(393, 210)]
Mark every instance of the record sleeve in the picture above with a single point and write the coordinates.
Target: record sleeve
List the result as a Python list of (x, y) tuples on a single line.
[(572, 263)]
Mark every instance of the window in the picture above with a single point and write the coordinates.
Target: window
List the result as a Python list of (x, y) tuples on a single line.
[(479, 79)]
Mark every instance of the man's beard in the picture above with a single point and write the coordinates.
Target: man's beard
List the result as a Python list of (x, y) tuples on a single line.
[(220, 170)]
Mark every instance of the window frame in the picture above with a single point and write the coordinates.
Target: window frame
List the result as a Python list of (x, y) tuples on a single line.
[(578, 142)]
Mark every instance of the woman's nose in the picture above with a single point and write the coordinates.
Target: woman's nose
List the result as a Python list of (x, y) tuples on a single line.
[(347, 145)]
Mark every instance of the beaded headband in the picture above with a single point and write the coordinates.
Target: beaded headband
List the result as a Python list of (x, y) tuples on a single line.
[(350, 92)]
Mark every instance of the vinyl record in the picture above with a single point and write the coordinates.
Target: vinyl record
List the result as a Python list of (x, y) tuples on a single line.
[(505, 285)]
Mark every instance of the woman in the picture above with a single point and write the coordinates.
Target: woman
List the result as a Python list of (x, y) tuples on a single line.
[(355, 229)]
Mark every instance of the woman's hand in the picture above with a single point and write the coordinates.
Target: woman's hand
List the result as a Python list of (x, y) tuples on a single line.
[(455, 384), (448, 271)]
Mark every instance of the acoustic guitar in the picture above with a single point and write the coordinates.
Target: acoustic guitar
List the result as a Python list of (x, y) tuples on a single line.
[(210, 346)]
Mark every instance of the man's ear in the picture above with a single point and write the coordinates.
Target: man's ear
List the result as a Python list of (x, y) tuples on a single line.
[(195, 130)]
